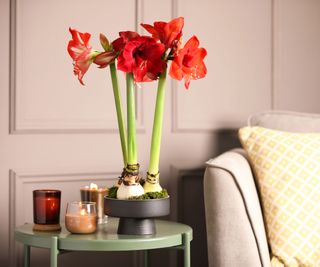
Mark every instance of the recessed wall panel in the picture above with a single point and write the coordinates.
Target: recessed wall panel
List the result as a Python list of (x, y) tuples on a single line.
[(237, 36), (47, 96), (297, 55)]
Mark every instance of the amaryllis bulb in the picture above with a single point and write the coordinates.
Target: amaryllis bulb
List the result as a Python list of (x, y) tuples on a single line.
[(148, 187), (127, 191)]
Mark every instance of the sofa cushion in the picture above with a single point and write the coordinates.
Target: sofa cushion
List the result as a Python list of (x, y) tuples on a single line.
[(287, 169), (286, 121)]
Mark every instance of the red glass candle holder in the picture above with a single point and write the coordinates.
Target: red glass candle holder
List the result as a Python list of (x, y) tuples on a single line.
[(46, 209)]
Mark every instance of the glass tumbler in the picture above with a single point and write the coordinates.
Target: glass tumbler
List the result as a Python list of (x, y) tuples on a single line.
[(81, 217)]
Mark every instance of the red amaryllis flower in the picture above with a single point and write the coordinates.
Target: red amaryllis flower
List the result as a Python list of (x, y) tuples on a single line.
[(125, 37), (188, 63), (142, 56), (81, 53), (168, 33)]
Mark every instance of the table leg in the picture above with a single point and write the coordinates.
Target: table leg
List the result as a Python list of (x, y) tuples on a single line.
[(26, 256), (145, 258), (186, 251), (54, 252)]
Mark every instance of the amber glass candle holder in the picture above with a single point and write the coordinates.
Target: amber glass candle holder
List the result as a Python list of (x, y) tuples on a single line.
[(81, 217), (96, 195), (46, 209)]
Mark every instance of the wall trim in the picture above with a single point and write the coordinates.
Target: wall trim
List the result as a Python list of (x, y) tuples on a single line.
[(12, 68), (272, 53)]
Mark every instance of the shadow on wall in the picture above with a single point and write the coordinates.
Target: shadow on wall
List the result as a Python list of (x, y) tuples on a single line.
[(191, 200)]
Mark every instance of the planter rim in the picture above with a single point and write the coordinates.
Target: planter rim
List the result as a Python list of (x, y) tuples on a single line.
[(136, 200)]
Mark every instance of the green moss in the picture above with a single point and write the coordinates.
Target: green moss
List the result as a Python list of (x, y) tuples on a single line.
[(112, 193), (152, 195)]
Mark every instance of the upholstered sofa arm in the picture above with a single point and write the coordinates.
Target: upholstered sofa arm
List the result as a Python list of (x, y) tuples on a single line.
[(235, 229)]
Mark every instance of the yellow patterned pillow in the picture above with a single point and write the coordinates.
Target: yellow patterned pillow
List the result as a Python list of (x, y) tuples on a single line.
[(287, 168)]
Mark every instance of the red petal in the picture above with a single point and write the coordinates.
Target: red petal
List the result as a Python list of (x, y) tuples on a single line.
[(168, 33), (74, 50), (80, 38), (128, 35), (125, 60), (79, 43), (159, 27), (154, 51), (118, 44), (80, 69), (82, 64), (125, 37), (173, 31), (187, 81), (151, 30), (139, 73), (176, 24), (197, 56), (192, 43), (176, 71), (202, 70)]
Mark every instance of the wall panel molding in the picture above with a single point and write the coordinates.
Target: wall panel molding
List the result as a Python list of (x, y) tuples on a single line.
[(19, 123), (272, 53), (22, 180)]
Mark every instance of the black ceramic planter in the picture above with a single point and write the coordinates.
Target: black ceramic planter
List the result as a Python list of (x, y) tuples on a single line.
[(136, 216)]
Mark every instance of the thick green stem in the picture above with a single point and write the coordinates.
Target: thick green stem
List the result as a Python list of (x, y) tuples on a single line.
[(131, 120), (121, 121), (157, 126)]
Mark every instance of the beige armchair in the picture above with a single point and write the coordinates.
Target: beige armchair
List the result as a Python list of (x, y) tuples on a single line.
[(235, 230)]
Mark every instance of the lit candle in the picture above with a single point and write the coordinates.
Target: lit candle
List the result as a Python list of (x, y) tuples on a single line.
[(81, 217), (46, 209), (89, 193), (95, 194)]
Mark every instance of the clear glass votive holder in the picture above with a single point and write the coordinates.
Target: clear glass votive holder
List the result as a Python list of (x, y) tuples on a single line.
[(46, 209), (81, 217)]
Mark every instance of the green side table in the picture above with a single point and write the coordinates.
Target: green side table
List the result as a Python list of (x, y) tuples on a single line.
[(169, 235)]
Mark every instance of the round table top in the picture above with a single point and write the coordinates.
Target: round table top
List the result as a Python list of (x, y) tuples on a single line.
[(168, 234)]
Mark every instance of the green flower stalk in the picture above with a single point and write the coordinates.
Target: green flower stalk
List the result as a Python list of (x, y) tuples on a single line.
[(130, 186), (152, 182), (131, 116), (120, 118)]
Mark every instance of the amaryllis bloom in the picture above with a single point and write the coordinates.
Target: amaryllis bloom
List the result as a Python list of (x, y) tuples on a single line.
[(125, 37), (188, 63), (142, 56), (168, 33), (81, 52)]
